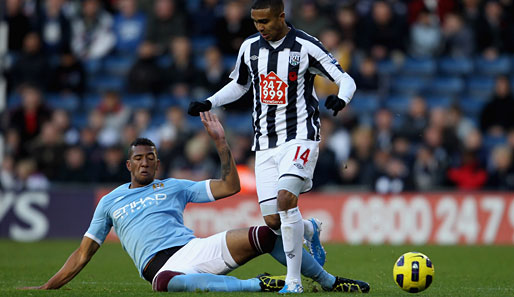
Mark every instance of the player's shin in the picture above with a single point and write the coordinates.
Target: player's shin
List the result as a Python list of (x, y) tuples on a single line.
[(292, 237), (310, 267), (205, 282)]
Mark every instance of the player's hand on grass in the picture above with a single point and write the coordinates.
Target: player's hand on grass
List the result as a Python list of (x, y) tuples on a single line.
[(196, 107), (213, 126), (335, 103)]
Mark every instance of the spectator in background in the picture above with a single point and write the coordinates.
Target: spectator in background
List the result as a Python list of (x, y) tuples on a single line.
[(470, 10), (204, 17), (28, 119), (68, 76), (494, 31), (433, 140), (439, 120), (75, 169), (309, 19), (342, 53), (428, 173), (7, 174), (497, 117), (439, 8), (142, 123), (61, 120), (18, 23), (129, 27), (28, 178), (469, 175), (458, 39), (48, 150), (112, 167), (109, 118), (416, 119), (197, 165), (362, 153), (92, 35), (384, 132), (31, 66), (182, 73), (54, 27), (233, 27), (383, 34), (425, 36), (90, 145), (366, 77), (346, 23), (394, 176), (458, 122), (501, 173), (326, 172), (145, 75), (164, 24), (214, 75)]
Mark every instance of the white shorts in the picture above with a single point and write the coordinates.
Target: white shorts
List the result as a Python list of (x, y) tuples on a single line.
[(295, 157), (202, 255)]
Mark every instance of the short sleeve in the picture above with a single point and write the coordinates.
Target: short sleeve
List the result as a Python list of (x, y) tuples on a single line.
[(199, 192), (100, 224)]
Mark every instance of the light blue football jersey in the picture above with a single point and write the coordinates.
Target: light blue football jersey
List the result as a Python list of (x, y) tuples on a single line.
[(148, 219)]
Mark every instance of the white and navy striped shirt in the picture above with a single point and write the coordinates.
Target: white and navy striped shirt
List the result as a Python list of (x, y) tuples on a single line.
[(285, 103)]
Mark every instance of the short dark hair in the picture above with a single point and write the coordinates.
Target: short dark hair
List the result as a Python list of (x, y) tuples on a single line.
[(140, 141), (276, 6)]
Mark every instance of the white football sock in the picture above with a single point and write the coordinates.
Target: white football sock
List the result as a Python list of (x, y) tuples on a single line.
[(292, 236)]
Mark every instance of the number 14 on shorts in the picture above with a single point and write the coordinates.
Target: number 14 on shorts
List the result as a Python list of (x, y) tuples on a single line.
[(302, 156)]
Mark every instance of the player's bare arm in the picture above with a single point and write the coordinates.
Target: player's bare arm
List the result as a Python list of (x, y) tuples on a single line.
[(77, 260), (228, 184)]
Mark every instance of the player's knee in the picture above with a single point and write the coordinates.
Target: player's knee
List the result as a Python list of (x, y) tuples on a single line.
[(161, 280), (262, 239), (273, 221)]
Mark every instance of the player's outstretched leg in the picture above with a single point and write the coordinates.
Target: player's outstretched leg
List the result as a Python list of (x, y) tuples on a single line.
[(313, 242), (170, 281), (349, 285), (314, 271)]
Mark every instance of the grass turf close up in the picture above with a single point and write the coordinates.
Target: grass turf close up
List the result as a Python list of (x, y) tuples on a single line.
[(459, 270)]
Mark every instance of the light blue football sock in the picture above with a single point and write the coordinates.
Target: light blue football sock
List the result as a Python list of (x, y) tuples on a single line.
[(212, 283), (310, 267)]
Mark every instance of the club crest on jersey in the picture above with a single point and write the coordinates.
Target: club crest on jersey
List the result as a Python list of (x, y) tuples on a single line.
[(158, 186), (294, 58)]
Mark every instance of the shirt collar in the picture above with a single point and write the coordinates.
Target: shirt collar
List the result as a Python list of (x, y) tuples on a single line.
[(288, 42)]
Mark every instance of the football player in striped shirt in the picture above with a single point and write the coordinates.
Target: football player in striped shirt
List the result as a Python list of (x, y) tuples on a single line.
[(280, 63)]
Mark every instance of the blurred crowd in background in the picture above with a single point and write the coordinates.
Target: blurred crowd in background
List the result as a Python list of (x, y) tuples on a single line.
[(434, 108)]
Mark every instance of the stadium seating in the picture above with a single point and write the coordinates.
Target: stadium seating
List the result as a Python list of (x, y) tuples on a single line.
[(397, 103), (446, 86), (137, 101), (408, 85), (480, 86), (68, 102), (419, 67), (365, 103), (91, 101), (102, 83), (500, 65), (118, 64), (472, 105), (455, 66)]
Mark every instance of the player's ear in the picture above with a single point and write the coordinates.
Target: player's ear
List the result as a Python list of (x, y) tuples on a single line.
[(129, 165)]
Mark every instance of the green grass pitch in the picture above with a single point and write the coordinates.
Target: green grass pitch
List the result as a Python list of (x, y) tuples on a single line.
[(459, 270)]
